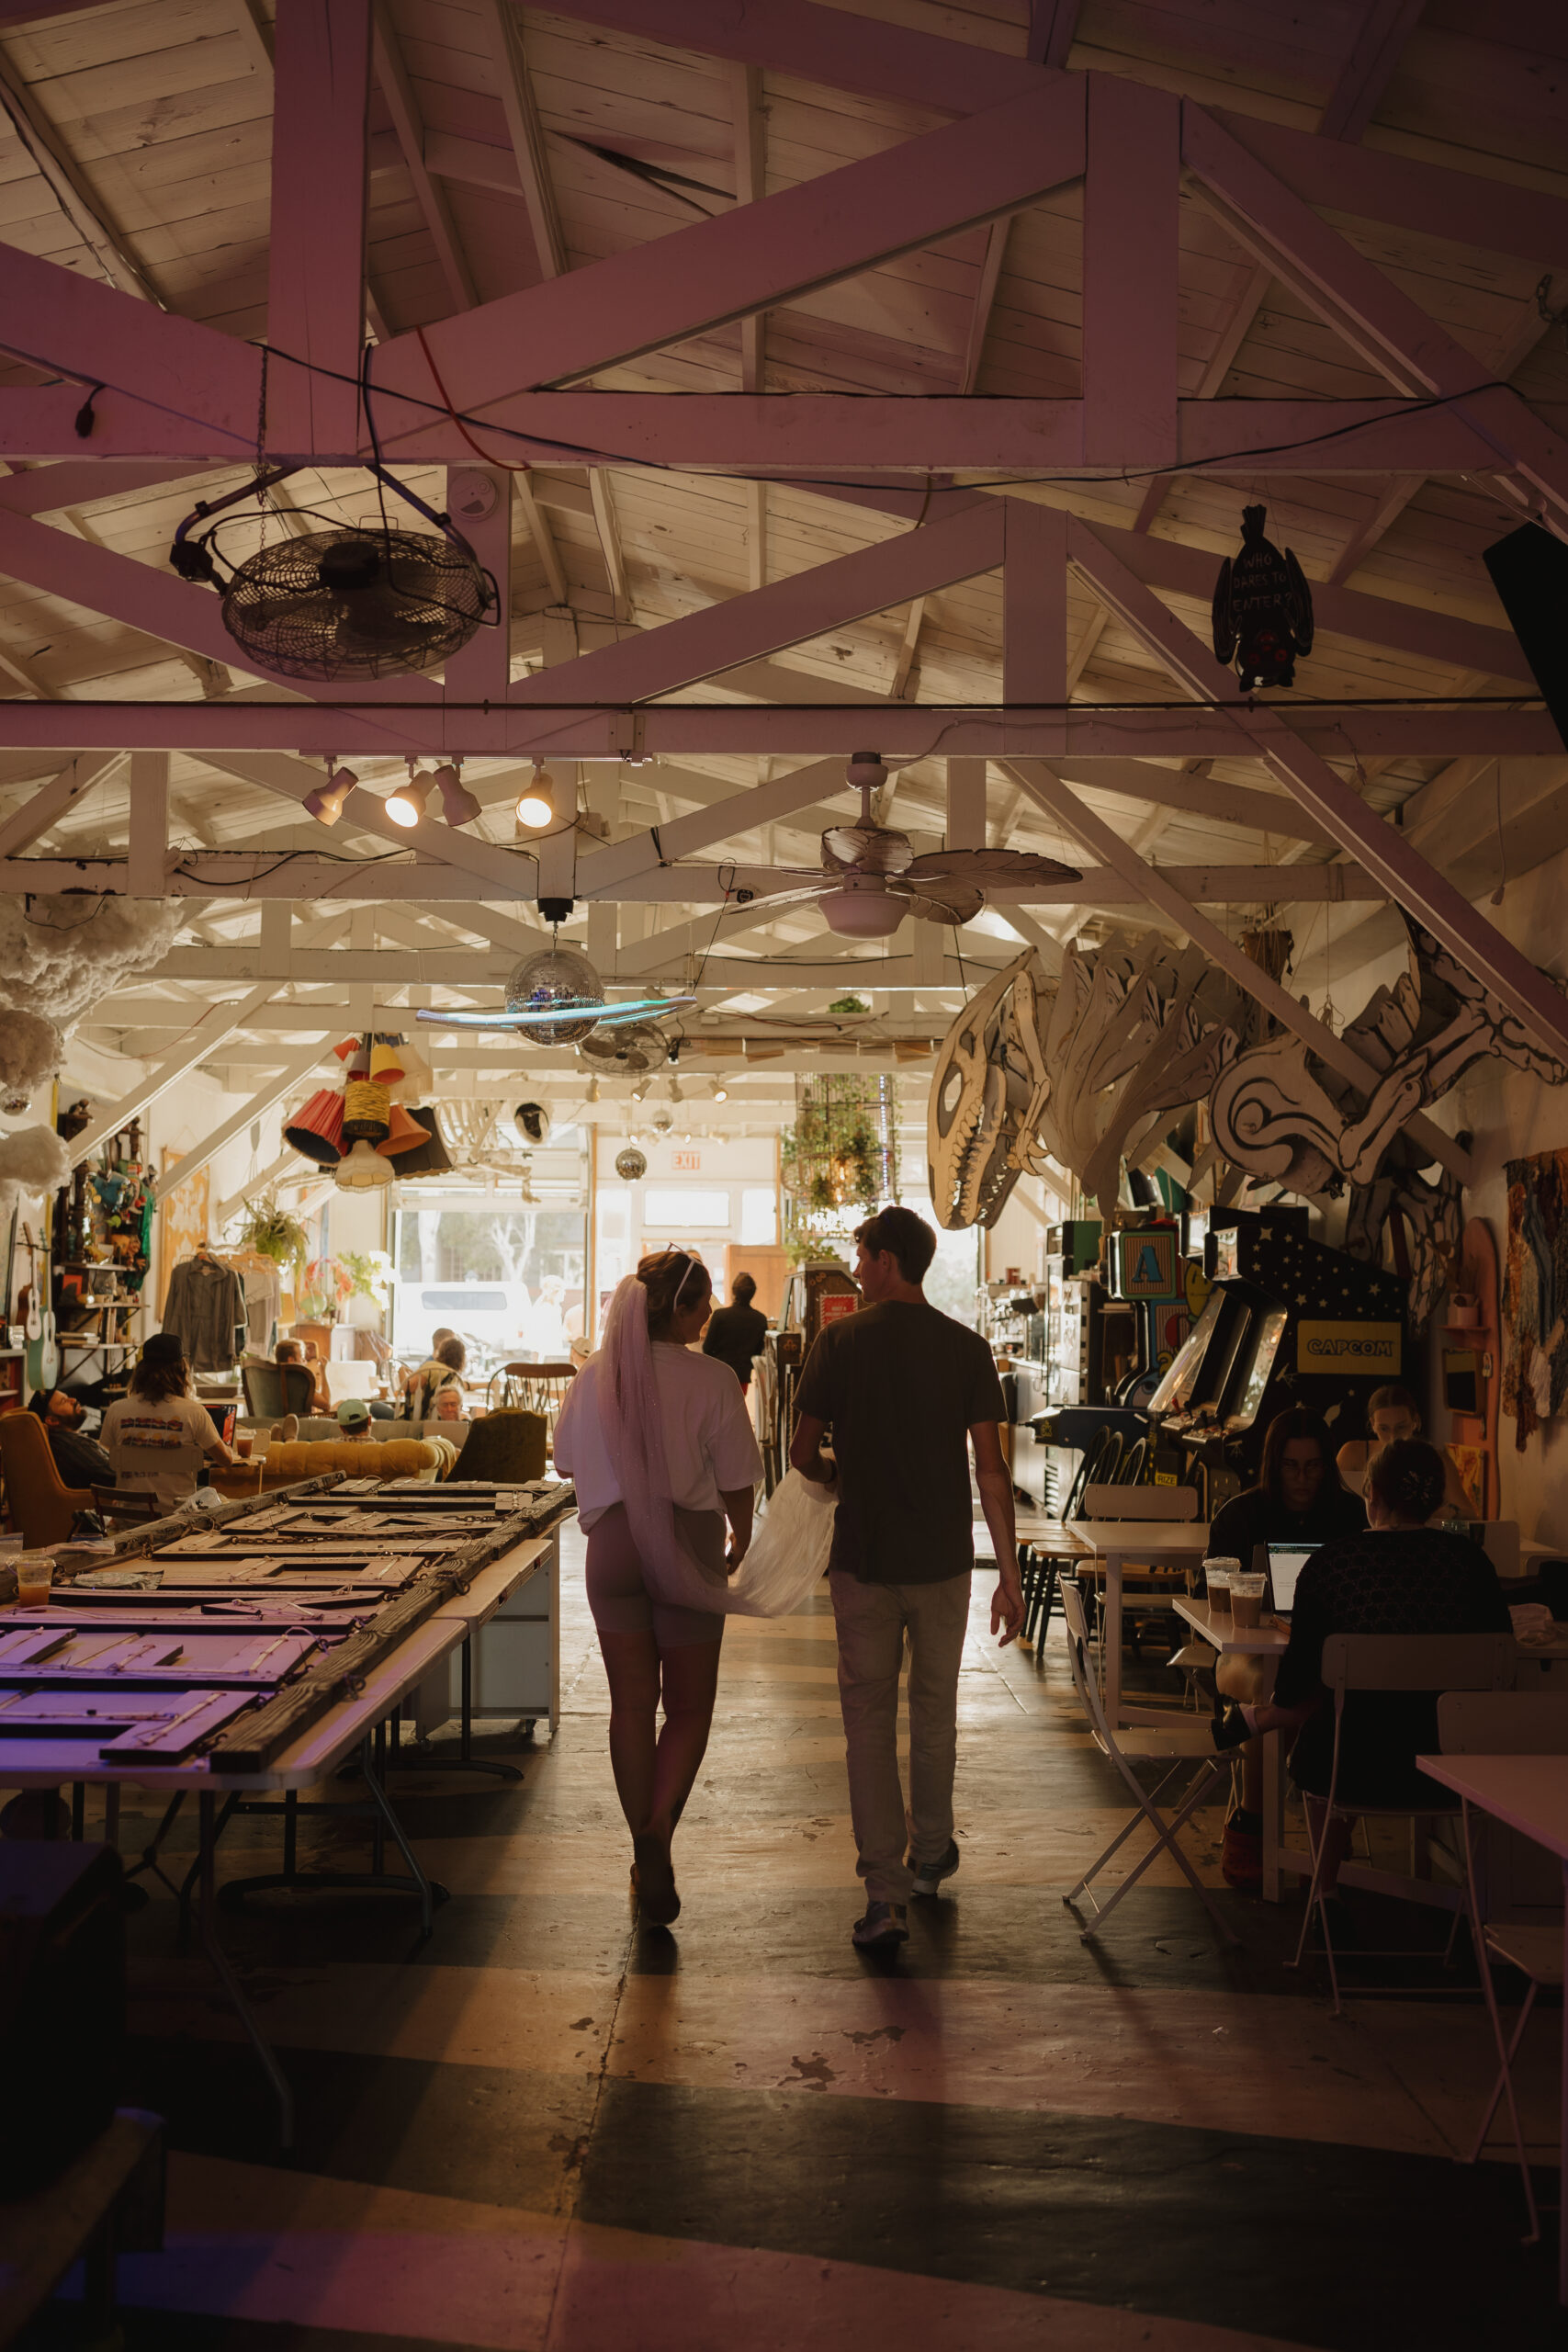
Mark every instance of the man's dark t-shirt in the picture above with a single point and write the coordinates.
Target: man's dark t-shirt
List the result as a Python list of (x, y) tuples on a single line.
[(735, 1334), (81, 1461), (900, 1385)]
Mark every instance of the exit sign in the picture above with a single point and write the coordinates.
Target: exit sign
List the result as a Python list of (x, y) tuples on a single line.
[(686, 1163)]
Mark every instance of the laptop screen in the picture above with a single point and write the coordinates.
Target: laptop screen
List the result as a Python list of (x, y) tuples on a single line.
[(1286, 1562)]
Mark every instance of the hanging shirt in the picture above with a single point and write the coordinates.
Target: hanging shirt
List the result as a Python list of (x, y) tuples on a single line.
[(204, 1309)]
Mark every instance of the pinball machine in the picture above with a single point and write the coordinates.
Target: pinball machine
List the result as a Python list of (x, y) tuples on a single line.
[(1287, 1321)]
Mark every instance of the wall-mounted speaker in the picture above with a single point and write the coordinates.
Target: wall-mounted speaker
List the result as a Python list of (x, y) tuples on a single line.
[(1530, 571)]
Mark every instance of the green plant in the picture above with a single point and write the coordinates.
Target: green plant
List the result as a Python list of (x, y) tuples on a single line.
[(848, 1004), (368, 1272), (327, 1289), (272, 1233)]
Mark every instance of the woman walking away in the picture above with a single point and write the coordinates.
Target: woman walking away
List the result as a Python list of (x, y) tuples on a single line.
[(655, 1440)]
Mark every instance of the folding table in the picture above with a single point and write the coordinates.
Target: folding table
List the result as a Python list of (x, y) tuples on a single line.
[(1159, 1544)]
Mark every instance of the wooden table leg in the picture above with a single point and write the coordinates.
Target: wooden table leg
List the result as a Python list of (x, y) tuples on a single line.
[(1111, 1639), (1273, 1815)]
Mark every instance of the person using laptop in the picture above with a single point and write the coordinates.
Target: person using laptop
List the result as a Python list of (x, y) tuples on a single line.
[(1297, 1499), (1393, 1412), (1399, 1577)]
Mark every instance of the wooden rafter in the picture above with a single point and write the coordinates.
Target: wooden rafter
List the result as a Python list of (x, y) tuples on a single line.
[(503, 32), (392, 74)]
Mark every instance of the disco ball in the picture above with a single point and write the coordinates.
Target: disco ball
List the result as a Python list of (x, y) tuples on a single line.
[(630, 1164), (15, 1104), (554, 982)]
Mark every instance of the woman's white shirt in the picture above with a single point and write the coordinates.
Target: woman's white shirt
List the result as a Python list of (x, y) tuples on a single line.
[(710, 1444)]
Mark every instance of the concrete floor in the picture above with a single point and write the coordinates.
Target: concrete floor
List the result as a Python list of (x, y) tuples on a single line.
[(547, 2129)]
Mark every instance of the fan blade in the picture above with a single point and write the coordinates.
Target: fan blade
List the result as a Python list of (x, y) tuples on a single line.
[(954, 905), (865, 849), (983, 866)]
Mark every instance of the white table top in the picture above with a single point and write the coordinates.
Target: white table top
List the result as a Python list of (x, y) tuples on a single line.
[(1148, 1539), (1530, 1793), (1221, 1631), (1048, 1534), (496, 1584)]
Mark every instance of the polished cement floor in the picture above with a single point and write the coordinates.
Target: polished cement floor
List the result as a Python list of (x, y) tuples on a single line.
[(546, 2128)]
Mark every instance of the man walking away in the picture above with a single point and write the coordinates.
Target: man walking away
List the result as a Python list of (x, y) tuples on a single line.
[(902, 1387), (736, 1333)]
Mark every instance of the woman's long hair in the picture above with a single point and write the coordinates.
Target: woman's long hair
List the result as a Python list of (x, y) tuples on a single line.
[(1296, 1422), (630, 1419), (157, 1378)]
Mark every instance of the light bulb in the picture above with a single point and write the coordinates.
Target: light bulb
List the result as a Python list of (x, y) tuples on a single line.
[(325, 803), (536, 803), (720, 1093), (458, 804), (406, 806)]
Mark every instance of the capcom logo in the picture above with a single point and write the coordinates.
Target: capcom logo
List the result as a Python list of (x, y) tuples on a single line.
[(1358, 1348)]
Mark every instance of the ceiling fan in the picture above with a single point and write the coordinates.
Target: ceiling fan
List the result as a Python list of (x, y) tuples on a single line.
[(871, 877)]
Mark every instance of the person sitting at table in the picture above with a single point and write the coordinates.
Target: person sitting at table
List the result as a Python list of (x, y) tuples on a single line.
[(157, 1437), (1297, 1499), (304, 1351), (353, 1420), (81, 1461), (1393, 1412), (448, 1405), (1400, 1576), (443, 1368)]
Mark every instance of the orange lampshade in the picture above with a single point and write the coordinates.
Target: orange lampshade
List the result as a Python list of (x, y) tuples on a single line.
[(316, 1128), (405, 1134)]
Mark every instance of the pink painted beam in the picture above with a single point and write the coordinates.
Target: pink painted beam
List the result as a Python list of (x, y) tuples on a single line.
[(190, 379), (903, 730), (1412, 350), (1381, 848), (1354, 99), (789, 612), (1034, 603), (316, 261), (752, 258), (1465, 207), (814, 433), (49, 490), (1130, 273)]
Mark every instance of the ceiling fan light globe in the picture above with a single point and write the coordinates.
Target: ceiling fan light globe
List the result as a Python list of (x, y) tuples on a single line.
[(859, 913)]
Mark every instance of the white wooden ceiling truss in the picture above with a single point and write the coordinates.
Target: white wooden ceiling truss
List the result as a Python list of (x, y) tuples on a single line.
[(840, 385)]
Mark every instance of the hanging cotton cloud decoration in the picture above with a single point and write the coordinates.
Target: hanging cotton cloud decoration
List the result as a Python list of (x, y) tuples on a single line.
[(30, 1051), (34, 1160), (60, 955)]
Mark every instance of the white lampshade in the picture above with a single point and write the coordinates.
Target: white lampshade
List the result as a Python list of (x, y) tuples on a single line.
[(363, 1168)]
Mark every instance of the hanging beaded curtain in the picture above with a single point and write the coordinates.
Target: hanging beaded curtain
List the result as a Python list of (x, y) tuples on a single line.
[(839, 1160)]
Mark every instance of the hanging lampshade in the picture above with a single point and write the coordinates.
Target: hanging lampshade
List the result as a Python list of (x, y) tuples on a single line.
[(316, 1129), (354, 1056), (432, 1157), (386, 1062), (418, 1078), (367, 1111), (403, 1135), (364, 1168)]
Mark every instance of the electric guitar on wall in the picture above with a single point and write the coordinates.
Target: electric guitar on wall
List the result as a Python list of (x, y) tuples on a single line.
[(43, 1349)]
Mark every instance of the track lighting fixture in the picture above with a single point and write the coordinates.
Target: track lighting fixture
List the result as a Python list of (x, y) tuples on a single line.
[(720, 1092), (406, 806), (458, 804), (536, 803), (325, 803)]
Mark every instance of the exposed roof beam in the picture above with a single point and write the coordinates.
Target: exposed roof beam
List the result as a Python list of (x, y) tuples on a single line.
[(48, 804), (219, 1020), (260, 1104), (315, 305), (503, 32), (903, 668), (40, 139), (1051, 24), (401, 105), (1367, 72), (1386, 512), (610, 541)]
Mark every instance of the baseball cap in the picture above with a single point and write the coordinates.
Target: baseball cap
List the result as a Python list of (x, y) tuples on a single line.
[(353, 1413)]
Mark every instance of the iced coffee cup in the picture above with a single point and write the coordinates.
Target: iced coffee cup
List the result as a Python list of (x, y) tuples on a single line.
[(1247, 1599), (1218, 1575)]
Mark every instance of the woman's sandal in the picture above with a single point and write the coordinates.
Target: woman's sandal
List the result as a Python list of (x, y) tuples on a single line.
[(653, 1876)]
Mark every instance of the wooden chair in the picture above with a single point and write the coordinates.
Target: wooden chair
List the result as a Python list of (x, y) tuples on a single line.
[(274, 1390), (42, 1504), (507, 1445), (1510, 1722), (1145, 1592), (1391, 1662), (114, 1502)]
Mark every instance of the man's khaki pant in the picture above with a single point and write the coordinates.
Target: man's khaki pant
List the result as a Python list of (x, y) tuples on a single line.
[(872, 1620)]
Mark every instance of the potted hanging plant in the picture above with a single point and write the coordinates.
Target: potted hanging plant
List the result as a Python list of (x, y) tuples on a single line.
[(272, 1233)]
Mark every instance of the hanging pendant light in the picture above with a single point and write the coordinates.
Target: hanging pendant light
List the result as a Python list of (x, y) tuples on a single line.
[(406, 806), (362, 1169), (536, 802), (325, 803), (458, 804)]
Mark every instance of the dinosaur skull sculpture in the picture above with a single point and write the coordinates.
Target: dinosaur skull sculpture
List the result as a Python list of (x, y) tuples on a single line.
[(987, 1095)]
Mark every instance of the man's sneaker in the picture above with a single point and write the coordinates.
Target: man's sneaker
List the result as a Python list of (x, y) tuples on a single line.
[(885, 1924), (928, 1876)]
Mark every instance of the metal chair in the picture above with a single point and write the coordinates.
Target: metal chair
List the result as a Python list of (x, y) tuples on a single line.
[(1181, 1746), (112, 1502), (1510, 1722), (1391, 1662)]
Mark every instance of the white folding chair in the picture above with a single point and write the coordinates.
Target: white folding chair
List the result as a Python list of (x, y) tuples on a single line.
[(1379, 1662), (1180, 1745), (1512, 1722), (1177, 1505)]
